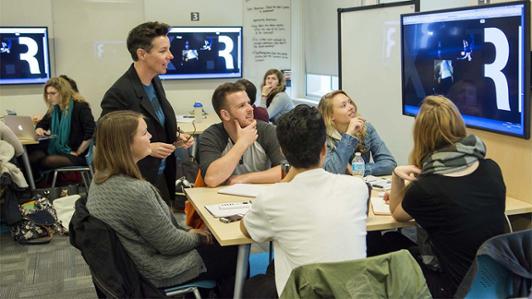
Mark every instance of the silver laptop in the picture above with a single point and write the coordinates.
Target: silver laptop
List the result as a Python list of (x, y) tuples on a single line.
[(22, 126)]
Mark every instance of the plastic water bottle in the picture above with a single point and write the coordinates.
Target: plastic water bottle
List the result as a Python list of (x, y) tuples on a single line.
[(358, 166), (198, 112)]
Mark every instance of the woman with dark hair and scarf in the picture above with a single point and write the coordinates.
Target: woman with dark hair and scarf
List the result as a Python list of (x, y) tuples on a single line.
[(455, 194)]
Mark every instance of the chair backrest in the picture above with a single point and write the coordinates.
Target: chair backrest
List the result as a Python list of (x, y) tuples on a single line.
[(501, 268), (492, 280), (192, 218), (381, 276), (114, 273)]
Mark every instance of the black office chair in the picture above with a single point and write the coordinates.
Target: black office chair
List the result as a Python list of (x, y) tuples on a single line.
[(501, 269)]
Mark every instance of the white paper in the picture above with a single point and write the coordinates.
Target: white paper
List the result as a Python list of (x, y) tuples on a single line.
[(247, 190), (228, 209), (377, 182), (379, 206)]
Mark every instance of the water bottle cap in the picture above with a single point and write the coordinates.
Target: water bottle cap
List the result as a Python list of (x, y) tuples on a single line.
[(198, 105), (358, 154)]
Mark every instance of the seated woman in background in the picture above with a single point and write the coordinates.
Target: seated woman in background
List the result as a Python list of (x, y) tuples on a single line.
[(37, 117), (455, 194), (69, 123), (259, 113), (348, 133), (273, 93), (164, 252)]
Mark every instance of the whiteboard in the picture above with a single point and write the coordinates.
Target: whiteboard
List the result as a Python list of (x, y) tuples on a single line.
[(370, 70)]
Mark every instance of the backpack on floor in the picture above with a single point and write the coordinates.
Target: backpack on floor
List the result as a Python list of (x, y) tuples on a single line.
[(39, 222)]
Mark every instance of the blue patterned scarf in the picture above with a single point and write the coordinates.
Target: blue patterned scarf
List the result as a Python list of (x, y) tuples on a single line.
[(60, 128)]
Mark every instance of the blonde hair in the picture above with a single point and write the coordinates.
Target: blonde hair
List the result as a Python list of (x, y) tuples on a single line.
[(112, 154), (280, 87), (326, 107), (65, 91), (438, 124)]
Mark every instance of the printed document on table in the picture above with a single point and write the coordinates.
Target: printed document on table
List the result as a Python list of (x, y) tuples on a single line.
[(229, 209)]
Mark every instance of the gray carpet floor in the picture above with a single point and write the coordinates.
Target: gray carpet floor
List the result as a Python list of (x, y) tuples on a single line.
[(53, 270)]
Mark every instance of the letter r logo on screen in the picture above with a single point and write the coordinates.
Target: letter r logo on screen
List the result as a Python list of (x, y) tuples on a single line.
[(226, 53), (29, 56)]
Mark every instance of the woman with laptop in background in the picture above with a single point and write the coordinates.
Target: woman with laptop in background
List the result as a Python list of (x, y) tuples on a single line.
[(348, 133), (455, 194), (69, 124)]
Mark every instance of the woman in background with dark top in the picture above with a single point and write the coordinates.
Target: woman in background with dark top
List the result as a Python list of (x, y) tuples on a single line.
[(259, 113), (69, 123), (455, 194), (273, 93), (164, 252)]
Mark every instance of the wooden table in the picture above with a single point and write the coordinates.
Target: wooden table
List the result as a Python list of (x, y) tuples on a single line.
[(26, 161), (229, 234)]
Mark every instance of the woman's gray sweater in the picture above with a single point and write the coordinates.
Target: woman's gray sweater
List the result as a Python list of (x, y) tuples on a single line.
[(162, 250)]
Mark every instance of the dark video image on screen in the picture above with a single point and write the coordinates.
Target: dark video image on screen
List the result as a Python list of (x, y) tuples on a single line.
[(24, 55), (478, 57), (205, 52)]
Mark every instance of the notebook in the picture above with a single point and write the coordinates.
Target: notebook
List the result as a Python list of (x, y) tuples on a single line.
[(229, 209), (379, 206), (246, 190)]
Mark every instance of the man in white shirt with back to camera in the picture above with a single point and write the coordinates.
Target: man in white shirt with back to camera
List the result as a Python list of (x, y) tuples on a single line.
[(313, 216)]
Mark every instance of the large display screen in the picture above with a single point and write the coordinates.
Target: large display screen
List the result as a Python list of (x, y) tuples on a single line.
[(476, 56), (24, 57), (205, 53)]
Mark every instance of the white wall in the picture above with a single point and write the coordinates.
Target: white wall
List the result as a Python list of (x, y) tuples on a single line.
[(87, 41)]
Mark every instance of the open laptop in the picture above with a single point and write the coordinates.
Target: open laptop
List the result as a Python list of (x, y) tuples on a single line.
[(22, 126)]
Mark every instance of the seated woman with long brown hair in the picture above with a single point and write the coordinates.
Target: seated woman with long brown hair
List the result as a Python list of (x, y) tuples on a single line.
[(455, 194), (164, 252), (69, 123)]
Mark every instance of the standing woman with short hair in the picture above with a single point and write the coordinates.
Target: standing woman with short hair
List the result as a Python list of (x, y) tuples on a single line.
[(348, 133), (69, 123), (455, 194), (273, 93)]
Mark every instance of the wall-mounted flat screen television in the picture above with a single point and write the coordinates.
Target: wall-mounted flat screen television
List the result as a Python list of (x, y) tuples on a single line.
[(205, 53), (476, 56), (24, 55)]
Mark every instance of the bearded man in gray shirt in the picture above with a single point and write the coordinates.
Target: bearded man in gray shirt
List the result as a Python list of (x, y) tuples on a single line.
[(240, 149)]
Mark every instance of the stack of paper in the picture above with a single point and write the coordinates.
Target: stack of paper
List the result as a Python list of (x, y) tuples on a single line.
[(379, 183)]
